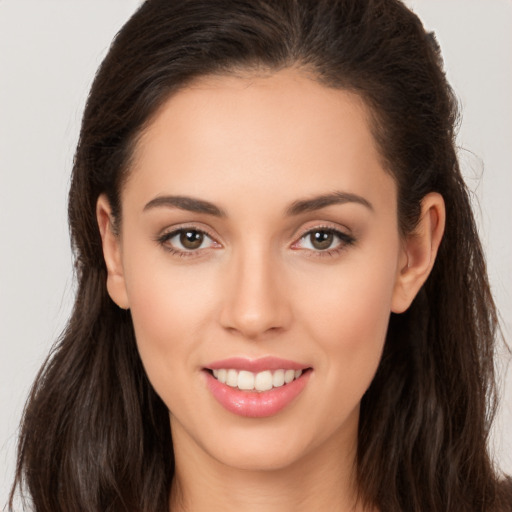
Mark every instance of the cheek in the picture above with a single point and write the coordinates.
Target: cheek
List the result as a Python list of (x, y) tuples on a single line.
[(170, 306), (349, 313)]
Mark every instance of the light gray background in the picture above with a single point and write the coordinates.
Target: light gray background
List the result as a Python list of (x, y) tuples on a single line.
[(49, 51)]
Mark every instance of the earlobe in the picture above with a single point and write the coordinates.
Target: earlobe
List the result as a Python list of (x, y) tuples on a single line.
[(116, 286), (419, 252)]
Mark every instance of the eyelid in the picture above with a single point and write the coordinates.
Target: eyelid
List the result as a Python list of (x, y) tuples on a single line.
[(170, 232), (322, 225), (344, 235), (199, 227), (345, 239)]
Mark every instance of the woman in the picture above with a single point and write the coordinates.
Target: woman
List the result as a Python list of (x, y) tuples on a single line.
[(282, 298)]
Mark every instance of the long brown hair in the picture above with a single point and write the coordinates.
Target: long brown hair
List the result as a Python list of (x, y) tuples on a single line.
[(95, 436)]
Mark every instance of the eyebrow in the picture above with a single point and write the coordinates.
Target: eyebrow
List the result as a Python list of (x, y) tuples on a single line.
[(192, 204), (322, 201)]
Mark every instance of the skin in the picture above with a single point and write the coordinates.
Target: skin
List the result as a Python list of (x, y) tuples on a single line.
[(253, 145)]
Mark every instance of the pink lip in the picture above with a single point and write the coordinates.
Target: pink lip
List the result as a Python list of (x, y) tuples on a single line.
[(254, 404), (256, 365)]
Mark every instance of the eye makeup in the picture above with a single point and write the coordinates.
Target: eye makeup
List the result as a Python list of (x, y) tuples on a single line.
[(192, 241), (323, 241), (187, 241)]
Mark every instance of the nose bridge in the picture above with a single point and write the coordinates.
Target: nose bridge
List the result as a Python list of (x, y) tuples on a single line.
[(254, 303)]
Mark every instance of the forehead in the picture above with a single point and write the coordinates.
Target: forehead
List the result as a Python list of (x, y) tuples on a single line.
[(283, 131)]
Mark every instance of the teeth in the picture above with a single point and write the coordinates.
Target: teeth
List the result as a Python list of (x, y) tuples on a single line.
[(278, 378), (245, 380), (262, 381), (289, 375), (232, 378)]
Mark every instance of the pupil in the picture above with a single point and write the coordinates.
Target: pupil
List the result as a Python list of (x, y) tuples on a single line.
[(322, 239), (191, 239)]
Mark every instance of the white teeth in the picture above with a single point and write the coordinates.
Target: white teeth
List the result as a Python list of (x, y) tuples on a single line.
[(245, 380), (278, 378), (232, 378), (289, 375), (262, 381)]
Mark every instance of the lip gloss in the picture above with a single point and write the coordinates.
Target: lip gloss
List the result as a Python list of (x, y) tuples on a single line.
[(256, 404)]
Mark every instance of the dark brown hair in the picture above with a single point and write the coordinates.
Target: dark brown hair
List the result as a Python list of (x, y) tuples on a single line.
[(95, 436)]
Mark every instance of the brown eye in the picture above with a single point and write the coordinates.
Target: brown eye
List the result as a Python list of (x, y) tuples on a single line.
[(186, 241), (191, 239), (324, 241), (321, 239)]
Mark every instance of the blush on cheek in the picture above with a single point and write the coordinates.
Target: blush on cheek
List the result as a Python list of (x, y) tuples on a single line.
[(168, 309), (350, 322)]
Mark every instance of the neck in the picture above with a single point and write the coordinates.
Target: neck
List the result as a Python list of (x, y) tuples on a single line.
[(323, 479)]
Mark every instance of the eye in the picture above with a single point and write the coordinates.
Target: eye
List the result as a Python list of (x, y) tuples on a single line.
[(320, 240), (323, 240), (187, 240)]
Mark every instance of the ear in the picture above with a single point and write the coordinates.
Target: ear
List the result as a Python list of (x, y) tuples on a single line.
[(419, 252), (112, 253)]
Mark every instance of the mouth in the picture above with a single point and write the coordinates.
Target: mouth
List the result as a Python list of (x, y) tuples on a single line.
[(265, 380), (256, 388)]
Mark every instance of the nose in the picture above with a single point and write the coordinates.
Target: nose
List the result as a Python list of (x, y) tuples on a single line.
[(255, 299)]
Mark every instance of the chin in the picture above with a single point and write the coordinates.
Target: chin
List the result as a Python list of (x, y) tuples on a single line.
[(260, 445), (255, 459)]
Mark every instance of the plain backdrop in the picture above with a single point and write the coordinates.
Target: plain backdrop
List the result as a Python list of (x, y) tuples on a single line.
[(49, 51)]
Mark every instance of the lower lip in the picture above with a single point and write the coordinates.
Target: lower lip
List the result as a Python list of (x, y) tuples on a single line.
[(254, 404)]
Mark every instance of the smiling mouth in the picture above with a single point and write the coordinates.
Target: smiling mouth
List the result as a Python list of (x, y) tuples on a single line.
[(258, 382), (256, 388)]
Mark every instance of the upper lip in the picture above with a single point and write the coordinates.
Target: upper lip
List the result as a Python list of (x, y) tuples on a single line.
[(256, 365)]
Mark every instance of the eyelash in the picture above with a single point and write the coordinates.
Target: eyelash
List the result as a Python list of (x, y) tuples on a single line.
[(344, 241), (183, 253)]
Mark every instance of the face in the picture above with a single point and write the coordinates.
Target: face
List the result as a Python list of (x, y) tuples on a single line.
[(259, 245)]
